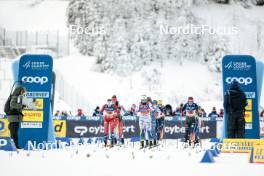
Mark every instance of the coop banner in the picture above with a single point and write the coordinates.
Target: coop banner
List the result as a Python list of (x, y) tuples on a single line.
[(35, 73), (242, 68)]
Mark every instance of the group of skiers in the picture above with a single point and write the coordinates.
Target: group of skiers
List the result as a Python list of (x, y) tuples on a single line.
[(151, 121), (151, 115)]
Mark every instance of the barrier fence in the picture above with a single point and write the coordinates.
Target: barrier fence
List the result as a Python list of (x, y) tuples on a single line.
[(86, 127)]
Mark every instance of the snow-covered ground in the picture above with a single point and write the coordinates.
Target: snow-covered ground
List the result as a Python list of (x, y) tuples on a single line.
[(94, 160)]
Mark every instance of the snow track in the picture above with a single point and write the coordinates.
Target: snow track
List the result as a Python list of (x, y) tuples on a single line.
[(94, 160)]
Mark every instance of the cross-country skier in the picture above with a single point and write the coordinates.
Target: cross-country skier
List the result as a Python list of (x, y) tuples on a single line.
[(110, 115), (119, 123), (144, 114), (157, 119), (190, 110), (160, 121)]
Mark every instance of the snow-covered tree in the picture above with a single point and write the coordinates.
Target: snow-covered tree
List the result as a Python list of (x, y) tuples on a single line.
[(216, 49), (132, 35)]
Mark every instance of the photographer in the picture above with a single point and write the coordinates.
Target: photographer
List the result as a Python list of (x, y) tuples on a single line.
[(14, 113), (234, 103)]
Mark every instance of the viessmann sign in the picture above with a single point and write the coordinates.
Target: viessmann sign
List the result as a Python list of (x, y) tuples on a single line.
[(242, 68)]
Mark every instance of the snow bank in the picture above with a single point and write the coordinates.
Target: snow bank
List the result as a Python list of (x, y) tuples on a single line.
[(130, 161)]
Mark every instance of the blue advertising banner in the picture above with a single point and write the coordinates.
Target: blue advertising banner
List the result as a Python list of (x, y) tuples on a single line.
[(243, 69), (35, 73), (173, 129)]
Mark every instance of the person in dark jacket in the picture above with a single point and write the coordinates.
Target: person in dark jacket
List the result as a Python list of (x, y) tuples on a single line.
[(96, 111), (213, 115), (15, 116), (235, 102)]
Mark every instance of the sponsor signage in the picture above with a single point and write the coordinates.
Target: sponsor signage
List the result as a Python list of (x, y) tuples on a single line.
[(242, 68), (35, 73), (176, 129), (4, 131), (32, 116), (60, 128), (94, 128), (257, 154), (240, 145)]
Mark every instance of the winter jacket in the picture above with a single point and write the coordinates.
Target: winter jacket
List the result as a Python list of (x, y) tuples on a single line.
[(16, 106), (235, 100)]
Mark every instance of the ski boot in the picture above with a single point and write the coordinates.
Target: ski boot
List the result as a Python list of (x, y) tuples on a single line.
[(122, 141), (141, 144), (105, 142), (186, 144), (155, 143), (112, 143), (147, 143), (150, 144)]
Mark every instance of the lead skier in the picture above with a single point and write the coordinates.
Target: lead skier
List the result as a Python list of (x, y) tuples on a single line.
[(110, 115), (190, 110), (144, 114)]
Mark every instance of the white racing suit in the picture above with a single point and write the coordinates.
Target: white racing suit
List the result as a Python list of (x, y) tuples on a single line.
[(144, 114)]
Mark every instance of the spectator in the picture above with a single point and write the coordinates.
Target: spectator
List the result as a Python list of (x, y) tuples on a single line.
[(262, 113), (149, 100), (70, 114), (204, 114), (160, 105), (15, 115), (57, 114), (64, 114), (96, 111), (168, 110), (235, 102), (213, 115), (201, 112), (178, 112), (221, 114), (132, 111), (80, 113)]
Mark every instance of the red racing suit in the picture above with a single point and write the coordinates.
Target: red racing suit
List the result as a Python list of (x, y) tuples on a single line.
[(110, 114)]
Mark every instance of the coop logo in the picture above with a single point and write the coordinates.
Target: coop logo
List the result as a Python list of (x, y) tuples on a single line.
[(240, 80), (37, 80)]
